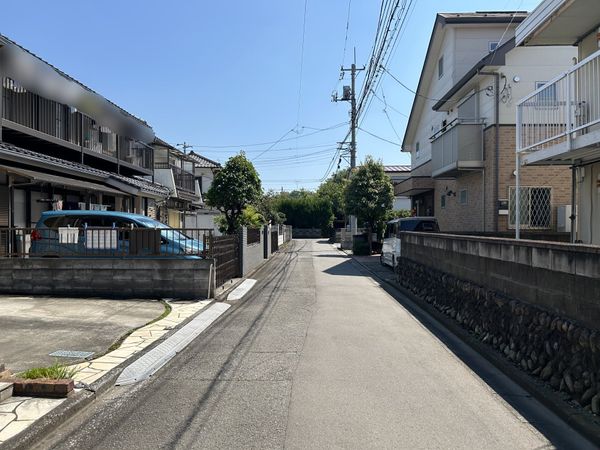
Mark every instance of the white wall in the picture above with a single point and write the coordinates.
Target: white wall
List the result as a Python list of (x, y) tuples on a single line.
[(588, 216)]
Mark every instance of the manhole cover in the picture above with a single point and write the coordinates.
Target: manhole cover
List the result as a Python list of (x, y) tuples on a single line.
[(71, 354)]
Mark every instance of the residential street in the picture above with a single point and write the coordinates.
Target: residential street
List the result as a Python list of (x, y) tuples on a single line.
[(318, 355)]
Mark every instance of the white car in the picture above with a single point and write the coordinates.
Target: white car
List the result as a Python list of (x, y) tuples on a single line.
[(390, 250)]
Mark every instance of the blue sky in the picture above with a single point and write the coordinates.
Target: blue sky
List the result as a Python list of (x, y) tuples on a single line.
[(224, 76)]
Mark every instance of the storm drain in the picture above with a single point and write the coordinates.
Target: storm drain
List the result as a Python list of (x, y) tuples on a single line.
[(71, 354)]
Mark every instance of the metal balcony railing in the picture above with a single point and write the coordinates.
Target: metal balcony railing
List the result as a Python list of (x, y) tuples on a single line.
[(457, 147), (562, 109)]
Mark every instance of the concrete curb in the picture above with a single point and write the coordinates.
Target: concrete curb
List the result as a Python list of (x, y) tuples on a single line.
[(583, 422), (46, 424)]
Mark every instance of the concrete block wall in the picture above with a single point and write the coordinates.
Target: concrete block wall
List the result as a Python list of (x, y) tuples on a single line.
[(252, 254), (110, 278), (562, 278)]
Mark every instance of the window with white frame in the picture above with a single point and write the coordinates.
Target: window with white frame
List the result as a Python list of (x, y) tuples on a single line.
[(547, 96), (441, 67), (443, 201), (535, 207), (463, 196), (417, 150), (493, 45)]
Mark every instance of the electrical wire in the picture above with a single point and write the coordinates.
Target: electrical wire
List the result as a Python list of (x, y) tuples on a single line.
[(318, 130), (301, 63), (378, 137)]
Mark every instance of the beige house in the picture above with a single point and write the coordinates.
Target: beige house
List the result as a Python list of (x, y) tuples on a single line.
[(559, 123), (461, 129)]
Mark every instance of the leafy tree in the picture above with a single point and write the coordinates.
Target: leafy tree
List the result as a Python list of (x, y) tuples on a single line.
[(370, 194), (267, 207), (333, 190), (304, 209), (236, 186)]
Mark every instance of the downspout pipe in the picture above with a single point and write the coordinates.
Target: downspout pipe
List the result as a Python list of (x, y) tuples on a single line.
[(496, 76)]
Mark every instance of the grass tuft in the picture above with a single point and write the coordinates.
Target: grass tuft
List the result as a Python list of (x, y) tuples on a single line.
[(54, 372)]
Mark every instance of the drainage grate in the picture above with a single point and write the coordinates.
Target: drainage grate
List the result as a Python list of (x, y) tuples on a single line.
[(71, 354)]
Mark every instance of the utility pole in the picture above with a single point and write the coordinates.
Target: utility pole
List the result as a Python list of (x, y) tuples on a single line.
[(185, 146), (349, 95)]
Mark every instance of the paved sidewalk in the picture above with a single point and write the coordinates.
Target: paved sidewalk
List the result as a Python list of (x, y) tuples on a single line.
[(18, 413)]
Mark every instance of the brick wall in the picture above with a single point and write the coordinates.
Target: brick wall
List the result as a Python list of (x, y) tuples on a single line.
[(480, 212), (556, 177)]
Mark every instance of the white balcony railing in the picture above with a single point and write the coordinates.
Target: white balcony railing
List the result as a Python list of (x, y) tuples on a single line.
[(562, 110)]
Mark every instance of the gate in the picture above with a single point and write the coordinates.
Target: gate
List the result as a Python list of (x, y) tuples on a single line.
[(226, 251), (274, 241)]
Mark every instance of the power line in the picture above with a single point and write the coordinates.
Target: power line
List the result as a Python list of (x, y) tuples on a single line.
[(273, 144), (301, 63), (379, 137), (318, 130)]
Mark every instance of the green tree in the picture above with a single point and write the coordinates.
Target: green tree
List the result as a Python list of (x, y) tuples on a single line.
[(370, 194), (304, 209), (267, 206), (333, 190), (234, 188)]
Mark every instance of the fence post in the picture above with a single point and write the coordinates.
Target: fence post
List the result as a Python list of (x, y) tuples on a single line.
[(242, 240)]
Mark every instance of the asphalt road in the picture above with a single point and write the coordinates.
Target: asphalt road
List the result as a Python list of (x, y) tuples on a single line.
[(319, 356)]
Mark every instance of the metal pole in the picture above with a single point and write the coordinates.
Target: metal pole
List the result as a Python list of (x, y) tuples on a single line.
[(573, 216), (353, 119), (517, 174)]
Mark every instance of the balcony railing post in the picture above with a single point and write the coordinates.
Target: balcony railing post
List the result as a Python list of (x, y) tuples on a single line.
[(569, 109), (517, 173)]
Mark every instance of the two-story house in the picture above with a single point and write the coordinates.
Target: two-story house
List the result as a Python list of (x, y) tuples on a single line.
[(64, 146), (461, 128), (204, 170), (173, 169), (558, 123)]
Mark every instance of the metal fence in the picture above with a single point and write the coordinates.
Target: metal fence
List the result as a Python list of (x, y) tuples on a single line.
[(561, 109), (105, 242), (535, 208)]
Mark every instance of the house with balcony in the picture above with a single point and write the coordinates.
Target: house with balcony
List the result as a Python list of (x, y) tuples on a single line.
[(205, 170), (558, 122), (173, 169), (64, 146), (187, 176), (461, 127)]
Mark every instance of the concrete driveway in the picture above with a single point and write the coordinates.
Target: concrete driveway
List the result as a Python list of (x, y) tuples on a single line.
[(33, 327)]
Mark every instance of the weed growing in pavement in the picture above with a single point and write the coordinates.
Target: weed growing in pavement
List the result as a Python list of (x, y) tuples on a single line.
[(56, 371)]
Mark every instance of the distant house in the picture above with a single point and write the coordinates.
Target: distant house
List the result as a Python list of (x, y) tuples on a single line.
[(461, 130), (188, 177), (558, 121), (64, 146), (398, 174)]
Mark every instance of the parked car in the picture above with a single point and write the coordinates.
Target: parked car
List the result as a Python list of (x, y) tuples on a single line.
[(80, 233), (390, 250)]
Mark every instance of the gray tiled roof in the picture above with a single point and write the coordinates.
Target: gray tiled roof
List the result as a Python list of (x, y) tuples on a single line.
[(25, 156), (202, 161)]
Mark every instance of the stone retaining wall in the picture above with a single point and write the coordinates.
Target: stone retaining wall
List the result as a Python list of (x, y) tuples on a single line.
[(109, 278), (469, 279)]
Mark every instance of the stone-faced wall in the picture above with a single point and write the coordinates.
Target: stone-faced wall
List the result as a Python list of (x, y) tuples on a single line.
[(536, 302), (563, 278), (549, 346)]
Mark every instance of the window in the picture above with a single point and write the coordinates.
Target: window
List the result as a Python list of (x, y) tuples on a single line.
[(417, 150), (547, 96), (441, 67), (493, 45), (463, 197), (535, 210), (443, 201)]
